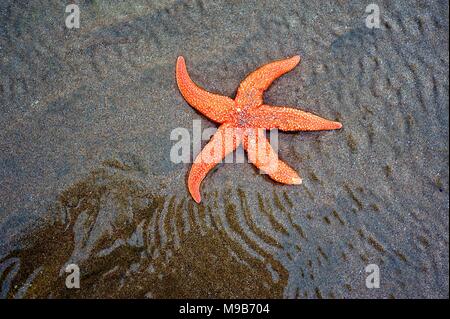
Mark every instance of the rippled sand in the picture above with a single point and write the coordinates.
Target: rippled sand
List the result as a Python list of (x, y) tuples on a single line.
[(85, 174)]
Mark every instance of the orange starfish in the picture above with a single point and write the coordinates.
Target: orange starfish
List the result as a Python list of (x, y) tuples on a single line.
[(242, 120)]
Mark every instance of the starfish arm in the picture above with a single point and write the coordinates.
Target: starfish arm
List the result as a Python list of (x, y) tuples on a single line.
[(224, 141), (262, 155), (250, 91), (214, 106), (289, 119)]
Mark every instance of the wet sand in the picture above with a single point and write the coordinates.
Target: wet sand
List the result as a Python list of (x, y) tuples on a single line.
[(86, 178)]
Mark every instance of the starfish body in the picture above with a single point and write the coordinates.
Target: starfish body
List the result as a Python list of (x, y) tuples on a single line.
[(242, 120)]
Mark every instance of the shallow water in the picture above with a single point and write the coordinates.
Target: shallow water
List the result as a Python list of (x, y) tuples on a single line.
[(86, 176)]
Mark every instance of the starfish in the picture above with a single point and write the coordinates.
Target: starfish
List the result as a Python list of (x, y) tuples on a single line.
[(242, 120)]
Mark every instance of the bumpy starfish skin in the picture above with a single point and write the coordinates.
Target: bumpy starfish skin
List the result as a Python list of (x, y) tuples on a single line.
[(242, 121)]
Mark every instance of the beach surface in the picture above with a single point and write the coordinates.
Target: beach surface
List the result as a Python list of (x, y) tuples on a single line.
[(86, 178)]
